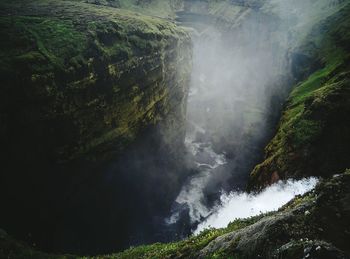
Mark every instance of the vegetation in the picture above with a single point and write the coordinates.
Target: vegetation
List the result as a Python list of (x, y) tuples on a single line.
[(264, 234), (314, 119), (63, 49), (187, 248), (80, 83)]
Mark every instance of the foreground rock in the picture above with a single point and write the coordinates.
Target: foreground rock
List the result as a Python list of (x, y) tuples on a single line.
[(314, 225), (311, 226)]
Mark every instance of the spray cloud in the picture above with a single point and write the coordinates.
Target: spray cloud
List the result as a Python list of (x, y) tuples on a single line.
[(240, 79)]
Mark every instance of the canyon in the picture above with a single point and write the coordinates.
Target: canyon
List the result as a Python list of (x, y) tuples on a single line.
[(123, 123)]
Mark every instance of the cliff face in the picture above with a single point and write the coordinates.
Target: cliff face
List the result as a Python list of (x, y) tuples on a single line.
[(312, 136), (83, 82), (93, 103)]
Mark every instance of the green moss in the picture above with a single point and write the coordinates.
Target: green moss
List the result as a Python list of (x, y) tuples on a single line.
[(53, 39), (307, 87), (312, 106), (80, 60)]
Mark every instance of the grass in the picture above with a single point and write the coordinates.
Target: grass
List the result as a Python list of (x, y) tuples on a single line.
[(63, 36), (307, 87), (52, 39), (187, 248)]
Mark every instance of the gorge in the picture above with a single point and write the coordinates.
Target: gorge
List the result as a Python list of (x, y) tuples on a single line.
[(126, 123)]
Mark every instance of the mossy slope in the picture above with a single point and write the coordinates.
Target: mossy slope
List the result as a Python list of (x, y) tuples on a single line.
[(312, 137)]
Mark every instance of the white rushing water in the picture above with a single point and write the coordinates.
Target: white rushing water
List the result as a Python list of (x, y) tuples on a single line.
[(192, 194), (226, 103), (242, 205)]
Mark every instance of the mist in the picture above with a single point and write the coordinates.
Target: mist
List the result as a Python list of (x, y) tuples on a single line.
[(240, 80), (236, 205), (232, 109)]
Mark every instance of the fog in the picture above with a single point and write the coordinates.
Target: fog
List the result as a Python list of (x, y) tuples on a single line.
[(240, 80), (231, 111), (236, 205)]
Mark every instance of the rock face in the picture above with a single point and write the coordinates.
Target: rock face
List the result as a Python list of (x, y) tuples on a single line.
[(312, 136), (84, 82), (89, 93)]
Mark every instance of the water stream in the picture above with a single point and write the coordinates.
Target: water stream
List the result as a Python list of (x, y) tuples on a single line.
[(228, 114)]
